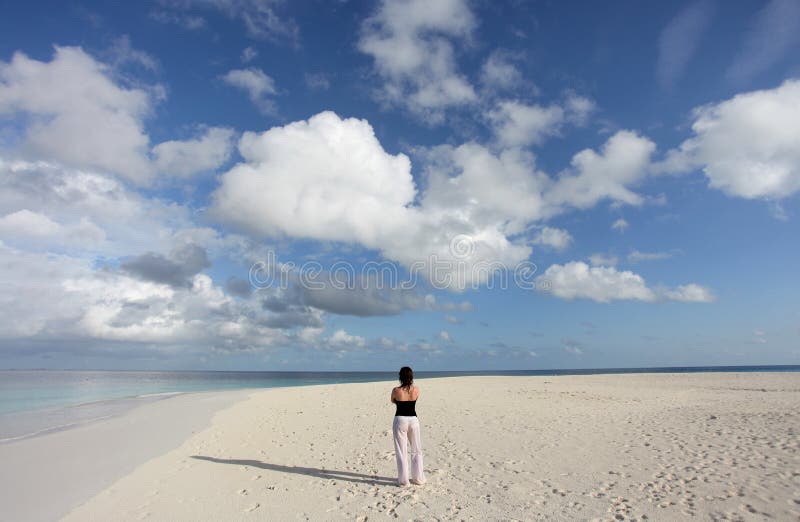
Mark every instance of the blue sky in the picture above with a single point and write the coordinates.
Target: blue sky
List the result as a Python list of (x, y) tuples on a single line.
[(642, 159)]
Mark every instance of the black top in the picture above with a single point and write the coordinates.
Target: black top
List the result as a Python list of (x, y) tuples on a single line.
[(405, 409)]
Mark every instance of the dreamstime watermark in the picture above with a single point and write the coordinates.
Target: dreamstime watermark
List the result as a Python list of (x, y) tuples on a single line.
[(461, 269)]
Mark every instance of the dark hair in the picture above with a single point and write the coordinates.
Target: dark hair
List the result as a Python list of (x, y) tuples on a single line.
[(406, 377)]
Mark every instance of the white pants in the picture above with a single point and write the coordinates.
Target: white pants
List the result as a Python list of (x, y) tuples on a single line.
[(406, 430)]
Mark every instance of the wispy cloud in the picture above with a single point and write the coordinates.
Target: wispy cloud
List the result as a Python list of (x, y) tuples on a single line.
[(773, 34), (678, 41)]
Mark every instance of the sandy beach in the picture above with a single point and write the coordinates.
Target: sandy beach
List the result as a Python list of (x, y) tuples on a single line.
[(608, 447)]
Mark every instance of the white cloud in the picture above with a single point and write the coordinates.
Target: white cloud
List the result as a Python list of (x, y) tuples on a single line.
[(622, 163), (555, 238), (501, 190), (774, 33), (325, 178), (410, 43), (635, 256), (620, 225), (62, 298), (260, 17), (577, 280), (257, 84), (341, 338), (603, 260), (122, 52), (78, 115), (678, 41), (185, 158), (248, 54), (27, 223), (329, 179), (444, 335), (517, 124), (748, 146), (690, 293), (499, 72), (578, 108), (37, 231), (93, 210)]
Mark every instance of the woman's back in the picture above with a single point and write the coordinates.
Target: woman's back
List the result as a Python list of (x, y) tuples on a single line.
[(405, 397), (404, 393)]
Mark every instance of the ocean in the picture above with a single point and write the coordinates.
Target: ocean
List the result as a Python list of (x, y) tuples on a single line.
[(34, 402)]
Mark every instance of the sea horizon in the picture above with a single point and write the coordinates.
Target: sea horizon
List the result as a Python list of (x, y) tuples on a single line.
[(39, 401)]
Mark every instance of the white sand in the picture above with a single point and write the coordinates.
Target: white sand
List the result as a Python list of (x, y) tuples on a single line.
[(624, 447), (44, 477)]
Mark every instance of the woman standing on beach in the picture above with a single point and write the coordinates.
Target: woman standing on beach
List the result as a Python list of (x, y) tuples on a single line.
[(406, 429)]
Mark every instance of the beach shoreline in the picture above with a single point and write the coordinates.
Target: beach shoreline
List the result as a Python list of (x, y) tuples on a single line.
[(626, 447), (47, 474)]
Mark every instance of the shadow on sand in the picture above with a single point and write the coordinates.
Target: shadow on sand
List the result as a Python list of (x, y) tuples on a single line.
[(349, 476)]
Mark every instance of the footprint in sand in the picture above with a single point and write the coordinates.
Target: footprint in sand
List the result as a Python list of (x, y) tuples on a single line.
[(252, 508)]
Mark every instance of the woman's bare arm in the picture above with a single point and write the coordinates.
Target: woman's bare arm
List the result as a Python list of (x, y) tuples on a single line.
[(392, 396)]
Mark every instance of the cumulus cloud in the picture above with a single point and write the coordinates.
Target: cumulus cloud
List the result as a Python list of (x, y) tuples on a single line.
[(340, 338), (325, 178), (27, 223), (577, 280), (188, 157), (76, 115), (678, 41), (36, 230), (747, 146), (555, 238), (96, 212), (517, 124), (257, 84), (64, 298), (330, 179), (348, 293), (177, 269), (238, 287), (362, 300), (410, 41), (610, 174)]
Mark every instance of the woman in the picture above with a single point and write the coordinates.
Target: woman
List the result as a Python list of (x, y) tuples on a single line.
[(406, 429)]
